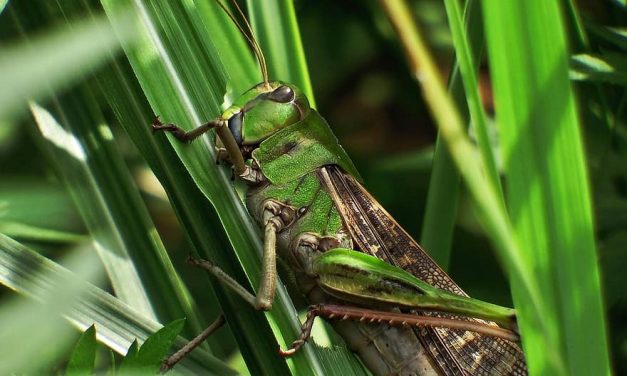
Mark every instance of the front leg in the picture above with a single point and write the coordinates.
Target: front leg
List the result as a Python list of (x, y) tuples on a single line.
[(180, 133), (225, 135)]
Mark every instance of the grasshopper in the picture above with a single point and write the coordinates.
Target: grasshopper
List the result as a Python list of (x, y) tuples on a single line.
[(399, 311)]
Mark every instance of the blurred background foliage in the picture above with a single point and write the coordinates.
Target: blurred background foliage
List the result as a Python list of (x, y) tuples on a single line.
[(363, 88)]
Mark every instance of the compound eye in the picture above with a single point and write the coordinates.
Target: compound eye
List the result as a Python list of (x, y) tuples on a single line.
[(235, 126), (282, 94)]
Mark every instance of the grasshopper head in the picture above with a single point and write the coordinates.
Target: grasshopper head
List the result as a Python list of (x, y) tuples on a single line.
[(264, 110)]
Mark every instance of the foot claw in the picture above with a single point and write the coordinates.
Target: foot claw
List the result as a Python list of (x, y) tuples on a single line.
[(287, 353), (156, 123), (292, 350)]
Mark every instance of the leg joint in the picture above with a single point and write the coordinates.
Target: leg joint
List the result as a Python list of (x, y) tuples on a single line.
[(278, 213)]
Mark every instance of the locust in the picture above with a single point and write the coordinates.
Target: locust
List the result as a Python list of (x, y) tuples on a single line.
[(393, 305)]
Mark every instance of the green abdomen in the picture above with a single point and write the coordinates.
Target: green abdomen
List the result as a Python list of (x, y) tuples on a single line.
[(384, 350)]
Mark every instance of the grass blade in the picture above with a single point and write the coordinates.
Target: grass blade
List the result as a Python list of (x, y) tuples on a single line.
[(277, 30), (71, 155), (185, 83), (444, 183), (69, 54), (548, 191), (530, 302), (118, 325), (19, 318), (138, 265), (467, 68)]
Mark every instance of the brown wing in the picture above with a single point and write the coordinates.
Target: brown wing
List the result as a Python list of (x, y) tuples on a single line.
[(376, 232)]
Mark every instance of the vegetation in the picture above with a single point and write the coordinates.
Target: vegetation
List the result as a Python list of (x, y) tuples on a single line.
[(540, 200)]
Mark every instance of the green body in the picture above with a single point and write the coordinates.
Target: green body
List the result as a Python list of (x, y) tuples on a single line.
[(289, 160), (331, 270), (341, 246), (300, 149)]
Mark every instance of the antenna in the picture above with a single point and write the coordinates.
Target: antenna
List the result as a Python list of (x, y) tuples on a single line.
[(251, 39)]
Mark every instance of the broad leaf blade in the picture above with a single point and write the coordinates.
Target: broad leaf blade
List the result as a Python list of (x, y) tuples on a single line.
[(548, 193), (154, 350), (84, 354)]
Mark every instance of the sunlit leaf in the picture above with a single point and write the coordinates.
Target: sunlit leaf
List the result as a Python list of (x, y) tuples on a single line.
[(69, 54), (118, 324), (606, 67)]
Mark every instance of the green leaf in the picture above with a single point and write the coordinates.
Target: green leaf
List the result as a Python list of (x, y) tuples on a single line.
[(467, 59), (37, 203), (79, 167), (201, 73), (131, 353), (614, 35), (112, 368), (22, 231), (605, 67), (153, 351), (90, 163), (279, 36), (69, 54), (84, 354)]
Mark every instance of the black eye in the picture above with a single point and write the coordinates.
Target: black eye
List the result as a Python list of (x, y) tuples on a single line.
[(235, 126), (282, 94)]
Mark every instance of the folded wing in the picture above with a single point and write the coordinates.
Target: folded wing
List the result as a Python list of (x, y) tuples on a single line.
[(375, 232)]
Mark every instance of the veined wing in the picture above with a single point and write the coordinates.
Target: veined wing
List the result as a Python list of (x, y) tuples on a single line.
[(375, 232)]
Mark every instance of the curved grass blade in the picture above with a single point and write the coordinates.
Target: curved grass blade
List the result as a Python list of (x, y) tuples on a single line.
[(110, 202), (117, 217), (32, 333), (72, 158), (530, 301)]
